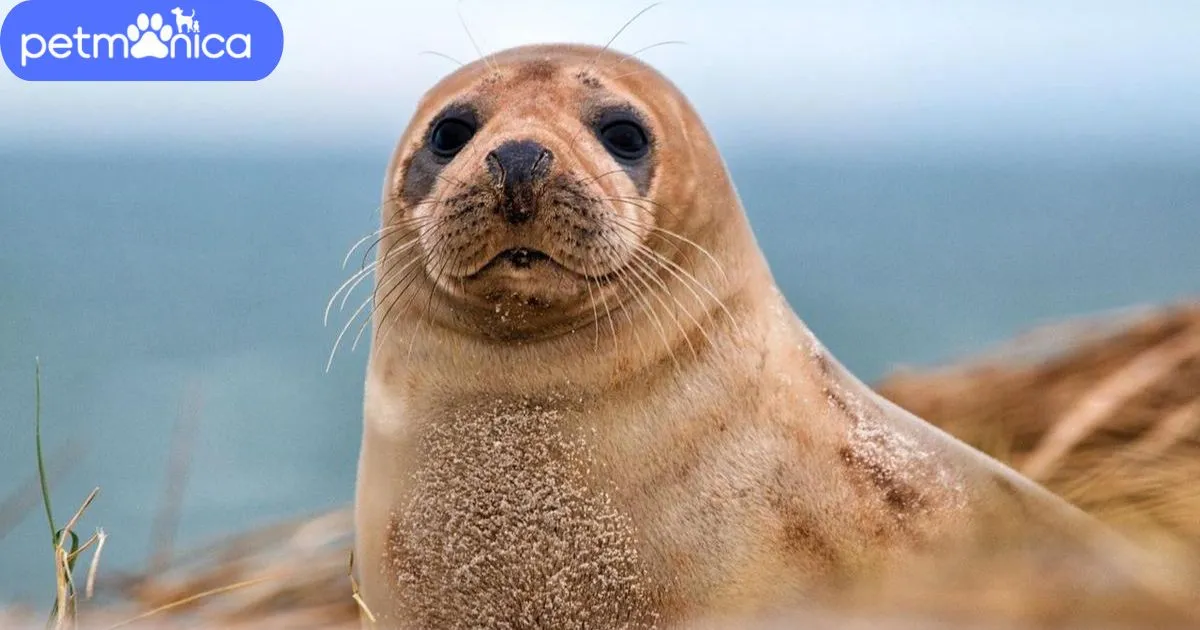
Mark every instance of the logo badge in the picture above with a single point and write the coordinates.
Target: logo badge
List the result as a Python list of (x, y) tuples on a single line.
[(141, 40)]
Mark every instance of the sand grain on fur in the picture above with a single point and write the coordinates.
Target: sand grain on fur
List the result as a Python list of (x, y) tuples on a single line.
[(503, 531)]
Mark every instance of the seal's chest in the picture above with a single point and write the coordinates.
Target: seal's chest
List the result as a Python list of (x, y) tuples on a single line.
[(502, 528)]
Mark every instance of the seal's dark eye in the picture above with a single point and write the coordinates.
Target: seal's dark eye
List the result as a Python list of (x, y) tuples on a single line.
[(626, 140), (449, 136)]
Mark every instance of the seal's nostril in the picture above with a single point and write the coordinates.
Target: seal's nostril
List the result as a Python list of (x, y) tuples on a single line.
[(516, 166), (518, 162)]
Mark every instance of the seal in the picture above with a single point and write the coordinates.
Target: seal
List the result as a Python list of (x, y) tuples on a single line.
[(588, 405)]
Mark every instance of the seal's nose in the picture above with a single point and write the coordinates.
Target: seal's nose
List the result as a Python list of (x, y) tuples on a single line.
[(516, 166)]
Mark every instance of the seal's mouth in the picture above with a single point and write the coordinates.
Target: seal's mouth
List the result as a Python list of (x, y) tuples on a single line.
[(516, 259), (525, 264), (521, 257)]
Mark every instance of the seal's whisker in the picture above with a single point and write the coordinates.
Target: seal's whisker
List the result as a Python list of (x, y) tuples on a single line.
[(358, 311), (683, 239), (653, 257), (587, 283), (397, 199), (604, 300), (652, 202), (438, 239), (435, 53), (692, 280), (665, 260), (352, 280), (391, 299), (403, 284), (362, 327), (624, 26), (624, 284), (436, 278), (699, 248), (338, 342), (662, 331), (602, 175), (653, 232), (367, 321), (575, 136), (670, 266), (380, 233), (461, 20), (413, 235), (679, 250), (637, 335), (359, 242), (408, 222), (392, 251), (449, 180), (607, 45), (634, 54), (355, 279), (687, 278), (395, 247), (648, 272), (631, 73), (638, 294), (395, 275)]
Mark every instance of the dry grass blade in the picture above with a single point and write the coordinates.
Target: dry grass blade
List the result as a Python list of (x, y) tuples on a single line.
[(362, 605), (65, 600), (305, 558), (190, 599), (79, 513), (1174, 427), (1095, 406), (1135, 464), (90, 588)]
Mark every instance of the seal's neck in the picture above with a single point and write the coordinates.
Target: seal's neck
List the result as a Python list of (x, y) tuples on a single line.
[(686, 321)]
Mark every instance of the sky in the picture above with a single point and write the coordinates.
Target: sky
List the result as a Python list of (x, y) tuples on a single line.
[(853, 75)]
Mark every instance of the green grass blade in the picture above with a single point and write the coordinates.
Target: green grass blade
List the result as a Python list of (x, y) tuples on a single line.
[(70, 552), (41, 461)]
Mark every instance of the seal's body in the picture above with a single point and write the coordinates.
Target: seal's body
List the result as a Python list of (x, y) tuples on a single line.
[(587, 403)]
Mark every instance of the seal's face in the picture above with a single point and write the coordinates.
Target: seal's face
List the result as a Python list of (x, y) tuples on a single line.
[(521, 197)]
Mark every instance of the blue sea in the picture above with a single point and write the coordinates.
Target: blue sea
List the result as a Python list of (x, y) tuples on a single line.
[(155, 285)]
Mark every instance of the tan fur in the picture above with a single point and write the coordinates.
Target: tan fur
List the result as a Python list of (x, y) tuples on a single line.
[(639, 452)]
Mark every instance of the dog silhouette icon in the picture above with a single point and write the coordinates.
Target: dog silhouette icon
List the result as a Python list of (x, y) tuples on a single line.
[(186, 23)]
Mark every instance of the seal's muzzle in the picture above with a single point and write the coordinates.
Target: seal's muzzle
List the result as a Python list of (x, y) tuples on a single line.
[(517, 167)]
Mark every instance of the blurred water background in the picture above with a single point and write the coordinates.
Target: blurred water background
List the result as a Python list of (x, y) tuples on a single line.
[(925, 183)]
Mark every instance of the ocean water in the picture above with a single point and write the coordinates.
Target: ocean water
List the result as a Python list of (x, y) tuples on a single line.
[(153, 286)]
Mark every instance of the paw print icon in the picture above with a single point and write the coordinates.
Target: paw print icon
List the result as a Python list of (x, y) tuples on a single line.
[(148, 36)]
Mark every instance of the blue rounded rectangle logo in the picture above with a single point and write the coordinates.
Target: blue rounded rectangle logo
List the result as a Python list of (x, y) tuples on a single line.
[(141, 40)]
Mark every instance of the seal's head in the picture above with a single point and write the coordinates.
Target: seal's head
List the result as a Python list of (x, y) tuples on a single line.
[(527, 192)]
